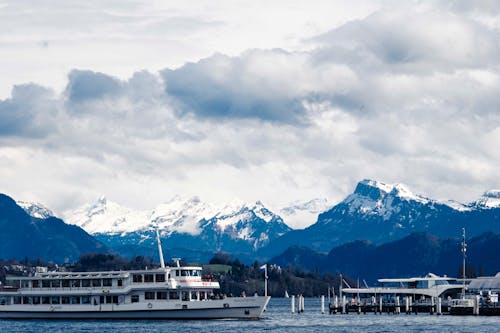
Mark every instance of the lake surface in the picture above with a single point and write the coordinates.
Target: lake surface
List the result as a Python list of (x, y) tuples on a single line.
[(276, 319)]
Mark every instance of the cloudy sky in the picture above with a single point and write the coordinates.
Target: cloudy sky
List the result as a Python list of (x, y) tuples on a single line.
[(276, 101)]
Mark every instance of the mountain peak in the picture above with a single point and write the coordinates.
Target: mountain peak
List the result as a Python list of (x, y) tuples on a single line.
[(376, 190), (36, 209), (492, 194), (489, 199), (375, 184)]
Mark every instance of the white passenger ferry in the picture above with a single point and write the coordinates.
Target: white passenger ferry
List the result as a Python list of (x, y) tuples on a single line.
[(164, 293)]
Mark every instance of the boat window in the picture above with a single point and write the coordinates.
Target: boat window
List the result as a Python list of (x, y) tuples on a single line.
[(108, 299), (120, 282), (64, 300), (27, 300), (65, 283), (25, 284), (77, 283), (107, 282), (177, 273), (75, 300), (160, 277), (441, 282), (85, 283), (161, 295), (134, 298), (115, 299), (423, 284), (55, 300), (45, 283), (185, 295), (96, 282), (148, 278), (35, 284), (193, 295), (149, 295), (85, 299), (195, 273), (137, 278), (45, 300), (56, 283), (173, 295), (4, 301), (17, 299), (36, 300)]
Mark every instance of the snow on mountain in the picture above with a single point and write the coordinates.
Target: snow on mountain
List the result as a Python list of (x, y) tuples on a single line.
[(181, 215), (238, 211), (376, 198), (192, 224), (253, 223), (300, 214), (490, 199), (35, 209), (105, 216), (238, 220)]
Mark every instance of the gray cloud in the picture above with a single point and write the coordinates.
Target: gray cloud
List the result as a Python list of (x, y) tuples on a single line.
[(230, 87), (84, 85), (28, 112)]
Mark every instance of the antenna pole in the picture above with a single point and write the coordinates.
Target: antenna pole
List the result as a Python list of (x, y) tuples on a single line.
[(464, 250), (160, 251)]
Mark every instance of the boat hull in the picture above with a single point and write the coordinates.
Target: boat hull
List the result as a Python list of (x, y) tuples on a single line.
[(251, 308)]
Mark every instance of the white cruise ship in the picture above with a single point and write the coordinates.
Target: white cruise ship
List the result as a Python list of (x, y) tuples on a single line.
[(164, 293)]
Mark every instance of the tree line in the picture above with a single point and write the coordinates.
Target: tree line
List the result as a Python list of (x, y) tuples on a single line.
[(235, 277)]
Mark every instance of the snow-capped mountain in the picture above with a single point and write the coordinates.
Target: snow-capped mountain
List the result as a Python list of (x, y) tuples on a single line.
[(490, 199), (303, 213), (382, 212), (183, 223), (379, 199), (252, 223), (108, 217), (105, 216), (35, 209), (190, 227)]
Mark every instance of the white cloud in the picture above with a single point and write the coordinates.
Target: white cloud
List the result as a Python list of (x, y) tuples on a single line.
[(402, 95)]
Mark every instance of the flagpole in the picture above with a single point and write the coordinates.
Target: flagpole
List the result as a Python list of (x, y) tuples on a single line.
[(265, 284)]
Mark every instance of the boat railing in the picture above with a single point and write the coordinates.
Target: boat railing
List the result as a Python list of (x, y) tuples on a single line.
[(72, 288), (8, 289)]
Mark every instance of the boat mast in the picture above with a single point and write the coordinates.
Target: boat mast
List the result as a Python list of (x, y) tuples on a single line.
[(464, 250), (160, 251)]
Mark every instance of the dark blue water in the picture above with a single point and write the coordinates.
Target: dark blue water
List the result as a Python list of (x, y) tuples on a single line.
[(277, 319)]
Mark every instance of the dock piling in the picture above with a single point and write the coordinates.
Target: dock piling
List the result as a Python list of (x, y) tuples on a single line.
[(475, 310)]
